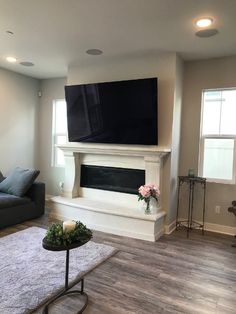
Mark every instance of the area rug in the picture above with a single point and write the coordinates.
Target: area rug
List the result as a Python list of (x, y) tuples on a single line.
[(31, 275)]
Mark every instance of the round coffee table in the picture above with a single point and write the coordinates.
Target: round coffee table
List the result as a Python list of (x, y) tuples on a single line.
[(66, 291)]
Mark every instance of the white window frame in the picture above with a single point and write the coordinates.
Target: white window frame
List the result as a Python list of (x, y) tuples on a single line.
[(54, 162), (203, 137)]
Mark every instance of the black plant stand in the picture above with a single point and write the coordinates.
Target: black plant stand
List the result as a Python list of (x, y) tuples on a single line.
[(190, 224), (67, 287), (232, 209)]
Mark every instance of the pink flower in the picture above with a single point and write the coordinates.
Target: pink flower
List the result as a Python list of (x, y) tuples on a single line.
[(149, 190), (144, 191), (156, 191)]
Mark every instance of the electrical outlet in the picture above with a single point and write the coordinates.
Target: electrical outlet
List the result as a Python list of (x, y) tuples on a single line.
[(217, 209)]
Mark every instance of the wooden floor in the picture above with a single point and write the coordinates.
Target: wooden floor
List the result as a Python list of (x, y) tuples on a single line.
[(173, 275)]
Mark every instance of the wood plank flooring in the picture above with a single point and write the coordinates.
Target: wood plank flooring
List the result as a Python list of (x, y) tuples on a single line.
[(173, 275)]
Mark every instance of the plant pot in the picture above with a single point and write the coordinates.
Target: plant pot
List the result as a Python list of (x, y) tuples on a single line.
[(149, 207), (153, 205)]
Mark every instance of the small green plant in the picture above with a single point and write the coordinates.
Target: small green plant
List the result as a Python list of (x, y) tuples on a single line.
[(56, 236)]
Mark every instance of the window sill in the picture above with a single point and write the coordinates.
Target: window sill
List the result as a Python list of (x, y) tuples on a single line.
[(218, 181)]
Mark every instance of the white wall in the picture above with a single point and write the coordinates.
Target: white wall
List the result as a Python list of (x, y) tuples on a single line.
[(51, 89), (18, 120), (198, 75), (176, 130), (168, 68), (161, 66), (26, 125)]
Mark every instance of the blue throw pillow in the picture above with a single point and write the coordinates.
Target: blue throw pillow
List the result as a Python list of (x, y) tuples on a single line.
[(19, 181)]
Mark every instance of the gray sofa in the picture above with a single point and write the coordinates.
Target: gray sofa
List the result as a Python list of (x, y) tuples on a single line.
[(15, 209)]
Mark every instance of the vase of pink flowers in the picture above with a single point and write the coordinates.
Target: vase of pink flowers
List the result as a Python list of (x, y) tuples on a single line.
[(146, 193)]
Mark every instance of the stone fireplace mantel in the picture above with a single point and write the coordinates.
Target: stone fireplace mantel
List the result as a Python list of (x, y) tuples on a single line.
[(151, 155), (119, 150), (107, 211)]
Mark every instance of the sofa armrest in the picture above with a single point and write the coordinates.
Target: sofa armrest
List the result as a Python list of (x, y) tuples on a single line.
[(37, 195)]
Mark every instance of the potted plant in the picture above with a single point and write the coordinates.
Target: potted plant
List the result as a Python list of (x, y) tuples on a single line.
[(67, 233)]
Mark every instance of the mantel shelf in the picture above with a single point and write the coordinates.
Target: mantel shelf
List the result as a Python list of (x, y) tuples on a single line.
[(112, 149)]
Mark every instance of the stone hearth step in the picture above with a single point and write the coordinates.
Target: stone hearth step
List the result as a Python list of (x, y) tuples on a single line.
[(109, 217)]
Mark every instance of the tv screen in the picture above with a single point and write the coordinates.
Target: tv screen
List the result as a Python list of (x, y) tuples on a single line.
[(122, 112)]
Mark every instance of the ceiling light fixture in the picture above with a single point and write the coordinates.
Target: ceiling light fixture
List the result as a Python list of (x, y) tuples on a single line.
[(94, 52), (204, 22), (11, 59)]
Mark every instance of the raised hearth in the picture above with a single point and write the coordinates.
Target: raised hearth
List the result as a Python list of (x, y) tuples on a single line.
[(109, 211), (110, 217)]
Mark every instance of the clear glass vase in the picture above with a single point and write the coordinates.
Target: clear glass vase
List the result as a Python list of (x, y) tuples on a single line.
[(150, 206), (147, 209), (153, 205)]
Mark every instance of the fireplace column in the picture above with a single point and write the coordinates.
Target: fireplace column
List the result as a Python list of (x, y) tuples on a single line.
[(153, 166), (152, 169), (72, 174)]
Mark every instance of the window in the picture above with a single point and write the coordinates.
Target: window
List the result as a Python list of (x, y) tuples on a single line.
[(218, 135), (59, 132)]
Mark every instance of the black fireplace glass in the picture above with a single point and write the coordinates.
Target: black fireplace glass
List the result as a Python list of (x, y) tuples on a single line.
[(112, 178)]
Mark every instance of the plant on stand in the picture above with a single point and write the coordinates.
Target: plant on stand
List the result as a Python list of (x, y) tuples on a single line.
[(146, 192)]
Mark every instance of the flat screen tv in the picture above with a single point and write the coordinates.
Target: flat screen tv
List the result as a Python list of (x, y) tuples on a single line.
[(122, 112)]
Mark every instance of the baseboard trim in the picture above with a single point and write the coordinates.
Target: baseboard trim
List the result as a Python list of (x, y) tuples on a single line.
[(170, 228), (223, 229), (220, 228)]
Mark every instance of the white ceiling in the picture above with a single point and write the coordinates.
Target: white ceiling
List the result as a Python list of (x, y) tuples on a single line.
[(54, 34)]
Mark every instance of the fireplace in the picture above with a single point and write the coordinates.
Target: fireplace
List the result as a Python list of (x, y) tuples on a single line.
[(100, 188), (115, 179)]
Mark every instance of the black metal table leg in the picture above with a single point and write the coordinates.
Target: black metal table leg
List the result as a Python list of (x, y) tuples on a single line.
[(204, 207), (192, 201), (189, 208), (67, 269), (177, 210), (66, 289)]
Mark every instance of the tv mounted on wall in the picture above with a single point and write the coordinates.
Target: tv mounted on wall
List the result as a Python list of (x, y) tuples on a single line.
[(122, 112)]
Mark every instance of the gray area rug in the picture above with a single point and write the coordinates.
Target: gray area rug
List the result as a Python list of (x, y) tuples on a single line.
[(30, 275)]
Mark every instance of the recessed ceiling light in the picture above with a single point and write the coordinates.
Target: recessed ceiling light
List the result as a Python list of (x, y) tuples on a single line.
[(11, 59), (27, 63), (204, 22), (94, 52)]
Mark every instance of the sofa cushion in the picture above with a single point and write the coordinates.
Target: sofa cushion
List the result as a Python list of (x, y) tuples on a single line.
[(8, 200), (19, 181)]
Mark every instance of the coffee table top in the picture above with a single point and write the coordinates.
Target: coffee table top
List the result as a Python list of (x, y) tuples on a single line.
[(47, 246)]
